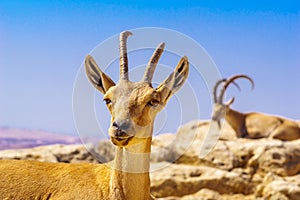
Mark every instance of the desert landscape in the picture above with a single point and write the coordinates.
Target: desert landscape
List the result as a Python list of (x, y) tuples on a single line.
[(236, 168), (12, 138)]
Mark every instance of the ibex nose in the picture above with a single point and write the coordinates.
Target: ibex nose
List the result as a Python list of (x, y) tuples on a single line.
[(119, 133), (121, 128), (115, 124)]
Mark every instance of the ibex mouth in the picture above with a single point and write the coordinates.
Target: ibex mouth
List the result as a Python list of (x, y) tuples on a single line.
[(121, 141)]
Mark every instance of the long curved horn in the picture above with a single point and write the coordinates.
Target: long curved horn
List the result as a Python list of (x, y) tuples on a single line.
[(231, 80), (148, 75), (216, 88), (123, 55)]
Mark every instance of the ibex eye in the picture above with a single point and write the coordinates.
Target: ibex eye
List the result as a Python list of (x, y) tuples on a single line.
[(153, 102), (107, 101)]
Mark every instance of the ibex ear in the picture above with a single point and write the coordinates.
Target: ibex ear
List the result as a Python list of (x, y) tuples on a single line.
[(175, 80), (99, 79)]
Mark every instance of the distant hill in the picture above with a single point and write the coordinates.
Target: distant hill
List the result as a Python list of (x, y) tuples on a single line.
[(20, 138)]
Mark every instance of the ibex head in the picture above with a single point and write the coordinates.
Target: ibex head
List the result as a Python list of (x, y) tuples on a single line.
[(133, 106), (220, 108)]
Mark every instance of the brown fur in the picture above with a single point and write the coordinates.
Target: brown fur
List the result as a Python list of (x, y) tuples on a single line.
[(252, 125), (59, 181), (133, 107), (258, 125)]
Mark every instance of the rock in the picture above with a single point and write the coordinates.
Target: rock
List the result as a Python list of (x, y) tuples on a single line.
[(200, 163), (104, 152), (180, 180), (207, 194), (245, 162), (282, 160), (248, 151), (275, 187), (51, 153), (161, 149), (197, 144), (271, 155), (204, 194), (221, 157)]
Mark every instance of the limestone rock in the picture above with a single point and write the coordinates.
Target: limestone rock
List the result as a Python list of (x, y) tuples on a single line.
[(276, 187), (203, 194), (282, 160), (180, 180), (161, 149), (51, 153), (198, 143), (200, 163)]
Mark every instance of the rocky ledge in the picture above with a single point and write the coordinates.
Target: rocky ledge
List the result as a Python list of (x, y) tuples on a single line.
[(197, 164)]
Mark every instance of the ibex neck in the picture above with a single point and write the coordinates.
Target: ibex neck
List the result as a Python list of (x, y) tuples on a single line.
[(235, 119), (130, 176)]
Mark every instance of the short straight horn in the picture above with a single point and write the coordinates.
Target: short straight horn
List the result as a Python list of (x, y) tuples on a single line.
[(148, 75), (123, 55)]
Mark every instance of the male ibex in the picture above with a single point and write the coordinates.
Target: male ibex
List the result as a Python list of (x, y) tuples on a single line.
[(251, 125), (133, 107)]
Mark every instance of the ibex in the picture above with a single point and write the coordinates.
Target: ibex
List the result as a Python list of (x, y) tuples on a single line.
[(133, 107), (251, 125)]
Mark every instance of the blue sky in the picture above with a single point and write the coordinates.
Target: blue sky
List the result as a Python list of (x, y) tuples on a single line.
[(43, 44)]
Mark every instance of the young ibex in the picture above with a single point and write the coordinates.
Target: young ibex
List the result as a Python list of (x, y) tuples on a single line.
[(251, 125), (133, 107)]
